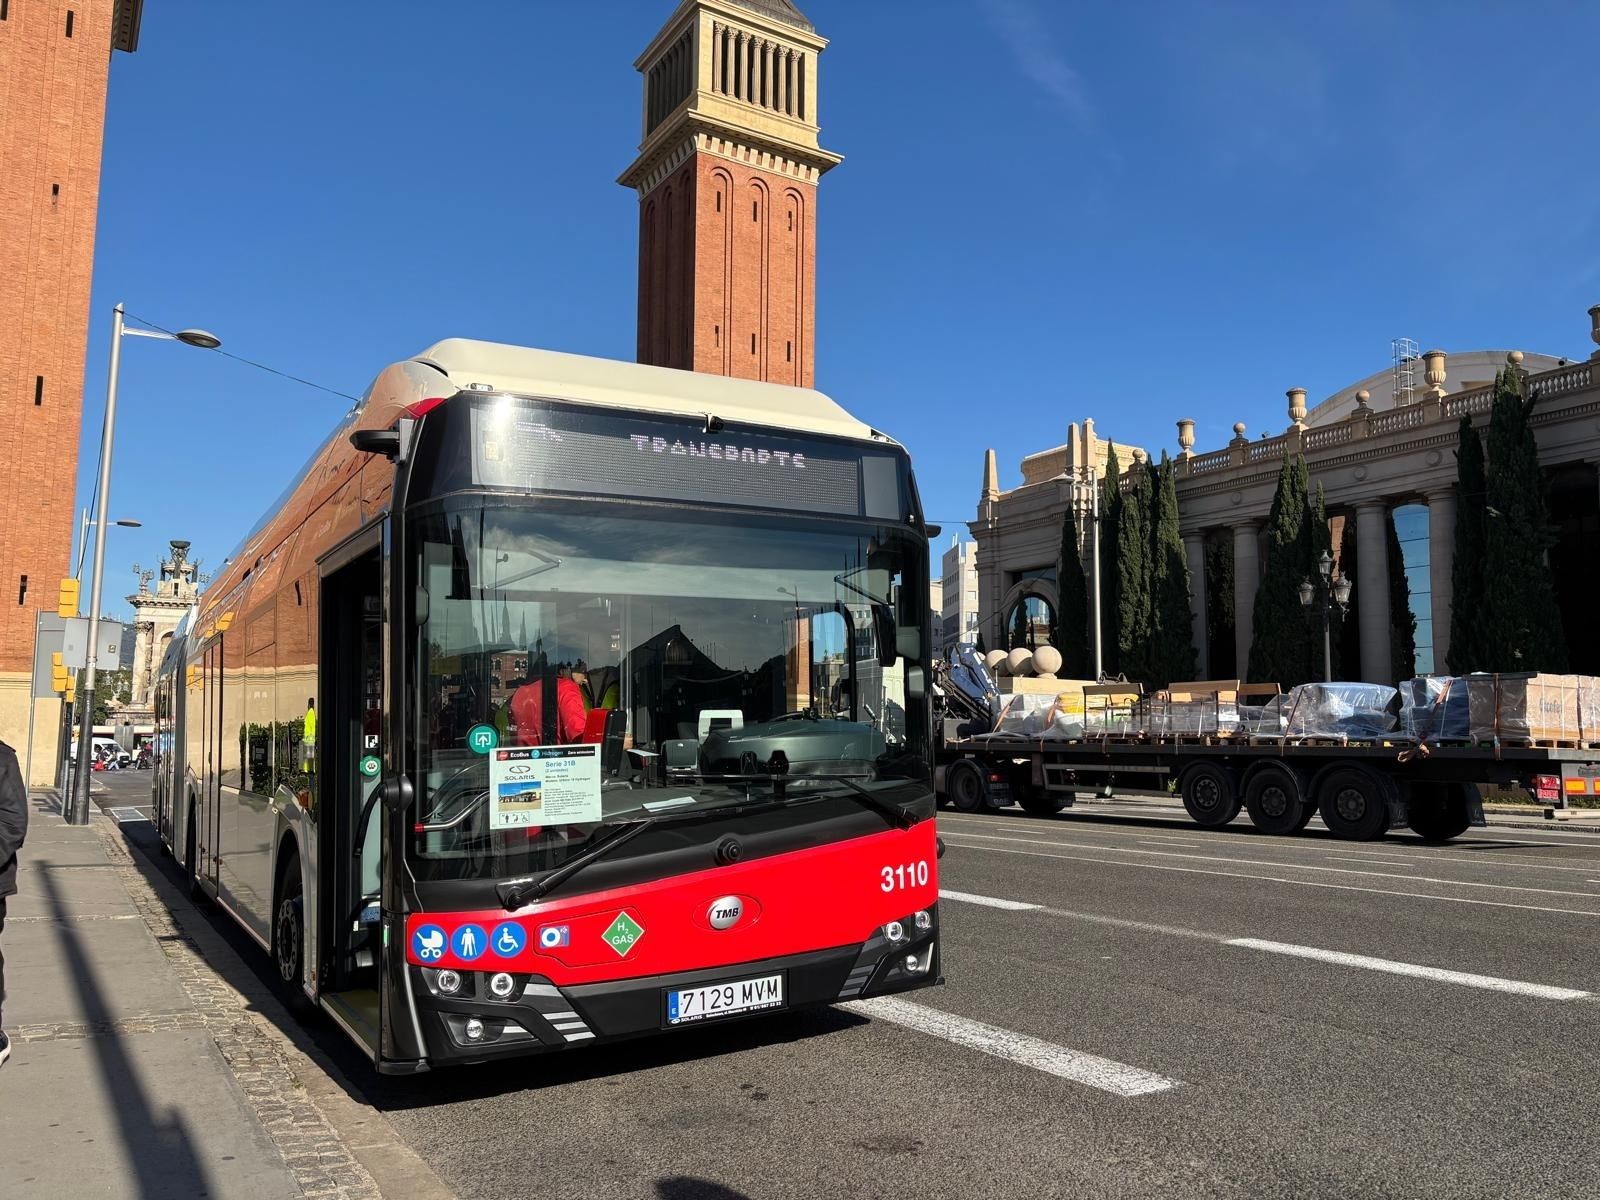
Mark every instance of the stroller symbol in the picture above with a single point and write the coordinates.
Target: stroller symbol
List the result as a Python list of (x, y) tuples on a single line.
[(428, 943)]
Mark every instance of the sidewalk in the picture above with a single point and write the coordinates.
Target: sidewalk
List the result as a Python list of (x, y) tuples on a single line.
[(138, 1069)]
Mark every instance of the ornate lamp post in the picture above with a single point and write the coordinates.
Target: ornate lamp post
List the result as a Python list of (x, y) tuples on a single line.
[(1333, 594)]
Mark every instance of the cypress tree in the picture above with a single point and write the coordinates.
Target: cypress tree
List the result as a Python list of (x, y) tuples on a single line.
[(1466, 570), (1219, 607), (978, 645), (1521, 622), (1402, 621), (1172, 654), (1071, 633), (1280, 652), (1018, 637), (1133, 578), (1110, 523)]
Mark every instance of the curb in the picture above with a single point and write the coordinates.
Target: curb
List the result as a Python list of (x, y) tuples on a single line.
[(335, 1146)]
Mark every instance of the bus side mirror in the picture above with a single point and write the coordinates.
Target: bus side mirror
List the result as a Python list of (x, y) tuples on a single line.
[(397, 793), (916, 684), (908, 643)]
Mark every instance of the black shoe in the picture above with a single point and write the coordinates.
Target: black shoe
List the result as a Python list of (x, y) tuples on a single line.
[(5, 1048)]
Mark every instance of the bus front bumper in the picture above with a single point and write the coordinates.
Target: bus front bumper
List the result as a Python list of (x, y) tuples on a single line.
[(471, 1024)]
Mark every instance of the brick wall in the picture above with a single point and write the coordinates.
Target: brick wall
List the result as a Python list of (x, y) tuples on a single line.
[(52, 111), (727, 272)]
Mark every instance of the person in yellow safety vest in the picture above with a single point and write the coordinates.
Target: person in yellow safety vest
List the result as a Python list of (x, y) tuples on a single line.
[(308, 740)]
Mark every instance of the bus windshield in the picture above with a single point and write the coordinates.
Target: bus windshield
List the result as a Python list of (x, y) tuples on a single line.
[(713, 660)]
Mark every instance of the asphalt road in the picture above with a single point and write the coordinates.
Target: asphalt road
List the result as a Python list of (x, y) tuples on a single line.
[(1134, 1007)]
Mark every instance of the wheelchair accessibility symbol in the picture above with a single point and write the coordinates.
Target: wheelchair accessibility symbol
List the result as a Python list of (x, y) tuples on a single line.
[(427, 943), (508, 939)]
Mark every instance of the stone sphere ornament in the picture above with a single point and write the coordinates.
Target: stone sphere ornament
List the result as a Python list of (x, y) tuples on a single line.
[(1019, 663), (1046, 662), (994, 660)]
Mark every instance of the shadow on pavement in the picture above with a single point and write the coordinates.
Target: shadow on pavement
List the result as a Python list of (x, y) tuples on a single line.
[(686, 1187), (158, 1145)]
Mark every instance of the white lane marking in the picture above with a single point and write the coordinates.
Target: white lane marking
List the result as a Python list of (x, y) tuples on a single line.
[(1517, 987), (1292, 866), (124, 816), (1381, 862), (1313, 883), (988, 901), (1117, 1078)]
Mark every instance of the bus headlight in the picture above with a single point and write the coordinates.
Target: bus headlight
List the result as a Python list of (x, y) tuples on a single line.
[(895, 932), (501, 985), (449, 982), (474, 1029), (922, 919)]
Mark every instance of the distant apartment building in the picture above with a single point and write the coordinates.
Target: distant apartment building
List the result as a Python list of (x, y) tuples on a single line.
[(957, 603)]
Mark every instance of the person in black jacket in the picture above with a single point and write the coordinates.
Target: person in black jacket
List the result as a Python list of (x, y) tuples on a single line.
[(13, 829)]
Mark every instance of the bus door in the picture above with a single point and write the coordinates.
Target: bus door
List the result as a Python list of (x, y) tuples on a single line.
[(350, 731), (208, 838)]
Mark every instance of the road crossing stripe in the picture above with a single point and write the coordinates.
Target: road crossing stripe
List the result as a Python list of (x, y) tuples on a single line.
[(1542, 991), (1117, 1078), (989, 901)]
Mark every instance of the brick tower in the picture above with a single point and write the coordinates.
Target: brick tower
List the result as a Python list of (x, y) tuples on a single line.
[(55, 56), (727, 181)]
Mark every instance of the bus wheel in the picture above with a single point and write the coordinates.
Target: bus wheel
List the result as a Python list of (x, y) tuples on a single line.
[(964, 783), (1038, 803), (1272, 798), (289, 937), (1439, 812), (1354, 804), (191, 867), (1209, 794)]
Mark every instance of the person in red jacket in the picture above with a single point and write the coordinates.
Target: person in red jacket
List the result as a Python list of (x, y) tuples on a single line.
[(527, 711)]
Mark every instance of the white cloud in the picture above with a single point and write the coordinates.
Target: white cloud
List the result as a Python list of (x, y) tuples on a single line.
[(1040, 60)]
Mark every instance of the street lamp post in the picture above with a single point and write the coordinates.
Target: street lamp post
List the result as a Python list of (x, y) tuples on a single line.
[(76, 812), (1091, 481), (1334, 594)]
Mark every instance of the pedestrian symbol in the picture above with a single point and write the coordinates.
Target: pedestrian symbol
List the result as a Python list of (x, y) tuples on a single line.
[(370, 766), (508, 939), (482, 738), (622, 934), (427, 943), (469, 942)]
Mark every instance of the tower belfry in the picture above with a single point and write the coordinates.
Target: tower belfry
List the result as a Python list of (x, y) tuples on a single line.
[(727, 181)]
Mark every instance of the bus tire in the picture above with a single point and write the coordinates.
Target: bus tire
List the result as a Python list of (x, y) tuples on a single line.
[(964, 783), (1354, 803), (1210, 794), (1039, 803), (191, 865), (289, 936), (1438, 811), (1272, 798)]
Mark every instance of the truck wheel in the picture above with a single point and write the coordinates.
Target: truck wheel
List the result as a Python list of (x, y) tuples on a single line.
[(1354, 804), (1038, 803), (1438, 812), (964, 783), (1209, 794), (1272, 798)]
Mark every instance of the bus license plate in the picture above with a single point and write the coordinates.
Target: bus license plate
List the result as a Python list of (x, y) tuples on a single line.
[(687, 1005)]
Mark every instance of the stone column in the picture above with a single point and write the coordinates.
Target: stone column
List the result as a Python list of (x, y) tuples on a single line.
[(1372, 589), (1246, 578), (1194, 546), (1441, 564)]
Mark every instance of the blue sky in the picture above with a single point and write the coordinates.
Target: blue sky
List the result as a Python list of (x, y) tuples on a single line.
[(1046, 211)]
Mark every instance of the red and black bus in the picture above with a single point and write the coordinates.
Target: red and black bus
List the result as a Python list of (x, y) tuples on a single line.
[(561, 700)]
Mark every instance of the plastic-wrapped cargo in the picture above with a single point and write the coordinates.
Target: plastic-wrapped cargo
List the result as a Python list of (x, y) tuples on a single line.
[(1435, 708), (1356, 711), (1057, 717), (1265, 720), (1190, 714), (1112, 710), (1525, 707)]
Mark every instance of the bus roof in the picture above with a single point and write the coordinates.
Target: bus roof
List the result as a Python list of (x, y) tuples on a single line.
[(612, 384)]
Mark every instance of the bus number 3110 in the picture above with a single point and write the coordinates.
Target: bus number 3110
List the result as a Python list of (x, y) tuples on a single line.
[(910, 875)]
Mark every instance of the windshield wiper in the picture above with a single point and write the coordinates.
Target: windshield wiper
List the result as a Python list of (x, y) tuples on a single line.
[(517, 892)]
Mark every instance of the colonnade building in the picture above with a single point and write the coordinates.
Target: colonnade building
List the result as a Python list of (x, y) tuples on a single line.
[(1383, 450)]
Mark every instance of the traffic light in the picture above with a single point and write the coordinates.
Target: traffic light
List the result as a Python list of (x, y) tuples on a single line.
[(60, 677), (67, 599)]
